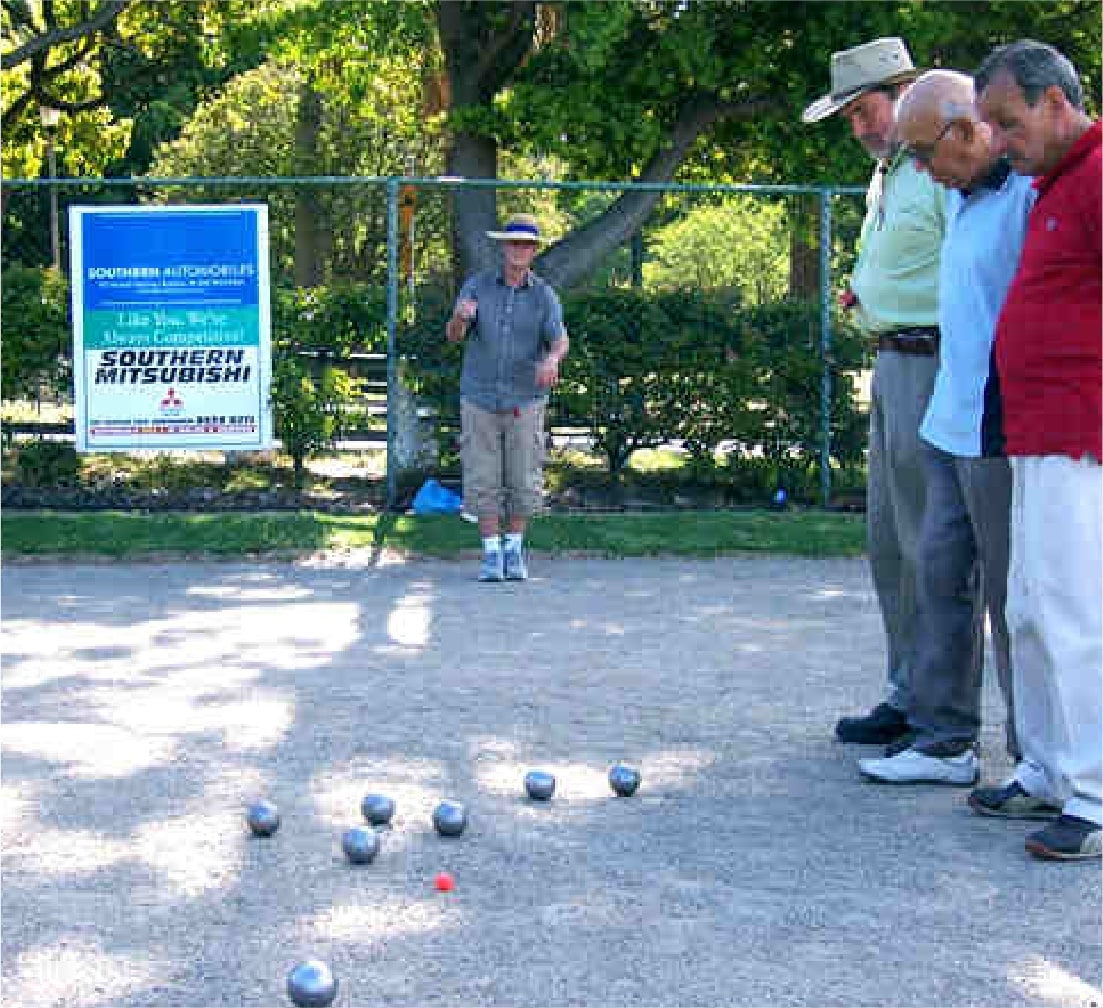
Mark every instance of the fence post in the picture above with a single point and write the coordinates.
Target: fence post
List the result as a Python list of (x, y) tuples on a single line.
[(392, 335), (825, 346)]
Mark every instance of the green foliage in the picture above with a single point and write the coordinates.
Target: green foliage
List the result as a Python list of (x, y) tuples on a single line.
[(46, 464), (615, 378), (37, 354), (367, 64), (740, 244), (306, 407), (689, 366), (314, 332)]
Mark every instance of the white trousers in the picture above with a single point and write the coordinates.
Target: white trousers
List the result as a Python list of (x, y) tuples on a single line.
[(1055, 619)]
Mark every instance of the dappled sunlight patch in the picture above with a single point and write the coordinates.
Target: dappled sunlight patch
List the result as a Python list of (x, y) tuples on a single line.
[(185, 707), (383, 918), (18, 809), (88, 750), (213, 649), (237, 593), (1053, 984), (74, 973), (61, 853), (415, 787), (257, 723), (675, 768), (194, 853), (572, 780), (834, 594), (410, 618)]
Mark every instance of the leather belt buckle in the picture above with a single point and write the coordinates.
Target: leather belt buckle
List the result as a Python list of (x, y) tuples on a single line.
[(918, 342)]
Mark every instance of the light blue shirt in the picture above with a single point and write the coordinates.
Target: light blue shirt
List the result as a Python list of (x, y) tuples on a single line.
[(980, 253)]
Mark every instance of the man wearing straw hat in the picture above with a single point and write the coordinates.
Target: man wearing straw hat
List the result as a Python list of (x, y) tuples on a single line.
[(517, 341), (894, 292)]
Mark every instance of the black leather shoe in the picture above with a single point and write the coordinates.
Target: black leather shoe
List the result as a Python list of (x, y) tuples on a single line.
[(899, 744), (882, 725)]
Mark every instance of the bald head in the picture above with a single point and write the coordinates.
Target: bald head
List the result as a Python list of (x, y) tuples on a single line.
[(940, 128), (937, 97)]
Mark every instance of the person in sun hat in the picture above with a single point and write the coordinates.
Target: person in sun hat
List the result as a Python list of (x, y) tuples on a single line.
[(894, 292), (512, 321)]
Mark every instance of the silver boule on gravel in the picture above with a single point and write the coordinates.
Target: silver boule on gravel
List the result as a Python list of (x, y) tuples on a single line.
[(263, 818), (378, 809), (450, 818), (624, 780), (360, 845), (539, 785), (312, 984)]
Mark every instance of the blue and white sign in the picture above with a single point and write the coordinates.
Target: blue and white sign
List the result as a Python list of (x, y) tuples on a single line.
[(172, 327)]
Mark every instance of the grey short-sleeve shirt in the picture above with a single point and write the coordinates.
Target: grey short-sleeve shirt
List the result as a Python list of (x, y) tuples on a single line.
[(513, 329)]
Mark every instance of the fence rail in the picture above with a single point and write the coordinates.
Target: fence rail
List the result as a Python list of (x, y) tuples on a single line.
[(379, 371)]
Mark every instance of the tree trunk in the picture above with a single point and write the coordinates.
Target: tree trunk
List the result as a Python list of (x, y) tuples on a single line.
[(475, 209), (309, 226), (483, 44), (804, 250)]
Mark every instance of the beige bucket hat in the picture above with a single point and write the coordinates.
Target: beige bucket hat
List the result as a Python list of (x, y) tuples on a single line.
[(520, 227), (854, 71)]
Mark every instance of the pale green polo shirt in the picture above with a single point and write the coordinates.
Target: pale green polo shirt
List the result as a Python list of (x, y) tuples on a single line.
[(896, 275)]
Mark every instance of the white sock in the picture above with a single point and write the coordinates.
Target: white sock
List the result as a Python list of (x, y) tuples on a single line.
[(514, 541), (492, 544)]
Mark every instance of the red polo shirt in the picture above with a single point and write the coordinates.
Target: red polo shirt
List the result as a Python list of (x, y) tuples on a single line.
[(1049, 339)]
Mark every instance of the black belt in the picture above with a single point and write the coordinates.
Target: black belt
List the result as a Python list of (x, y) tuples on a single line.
[(920, 341)]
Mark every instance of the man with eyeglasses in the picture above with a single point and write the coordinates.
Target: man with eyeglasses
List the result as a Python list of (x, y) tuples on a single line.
[(894, 291), (962, 556)]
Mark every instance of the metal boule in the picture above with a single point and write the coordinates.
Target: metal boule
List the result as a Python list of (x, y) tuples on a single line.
[(263, 818), (377, 809), (311, 984), (539, 785), (450, 818), (624, 780), (360, 845)]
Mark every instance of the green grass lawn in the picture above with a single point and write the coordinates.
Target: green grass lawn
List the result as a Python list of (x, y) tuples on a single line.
[(287, 534)]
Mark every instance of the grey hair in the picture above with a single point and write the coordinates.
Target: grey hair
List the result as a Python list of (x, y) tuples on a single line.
[(1033, 66)]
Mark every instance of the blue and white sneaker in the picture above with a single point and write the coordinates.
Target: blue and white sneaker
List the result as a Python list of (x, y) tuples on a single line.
[(515, 567), (492, 567)]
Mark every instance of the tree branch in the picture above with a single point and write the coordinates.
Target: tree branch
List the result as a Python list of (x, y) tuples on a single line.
[(568, 261), (41, 44), (507, 48)]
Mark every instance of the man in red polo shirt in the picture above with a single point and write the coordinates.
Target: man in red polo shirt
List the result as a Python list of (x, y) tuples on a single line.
[(1049, 355)]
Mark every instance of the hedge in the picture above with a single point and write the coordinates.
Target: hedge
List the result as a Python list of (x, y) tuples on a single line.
[(644, 368)]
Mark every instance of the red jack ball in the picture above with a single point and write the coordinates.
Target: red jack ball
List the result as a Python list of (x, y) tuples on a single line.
[(444, 882)]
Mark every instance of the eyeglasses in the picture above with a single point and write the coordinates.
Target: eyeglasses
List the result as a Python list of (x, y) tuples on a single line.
[(925, 155)]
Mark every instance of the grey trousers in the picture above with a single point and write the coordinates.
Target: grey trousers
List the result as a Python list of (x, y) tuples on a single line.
[(900, 390), (962, 571)]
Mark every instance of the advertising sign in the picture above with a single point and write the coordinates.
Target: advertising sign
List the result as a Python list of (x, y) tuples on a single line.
[(172, 327)]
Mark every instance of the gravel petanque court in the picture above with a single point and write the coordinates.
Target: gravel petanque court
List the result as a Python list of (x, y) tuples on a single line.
[(145, 706)]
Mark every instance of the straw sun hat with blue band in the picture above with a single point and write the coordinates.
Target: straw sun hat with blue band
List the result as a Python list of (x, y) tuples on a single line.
[(519, 228)]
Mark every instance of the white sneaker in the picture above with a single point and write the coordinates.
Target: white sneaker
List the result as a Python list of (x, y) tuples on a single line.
[(914, 767)]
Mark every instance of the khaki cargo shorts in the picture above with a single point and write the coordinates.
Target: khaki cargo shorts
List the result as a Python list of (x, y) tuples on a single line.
[(503, 459)]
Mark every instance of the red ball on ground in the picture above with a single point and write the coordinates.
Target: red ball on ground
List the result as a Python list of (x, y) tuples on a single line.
[(444, 882)]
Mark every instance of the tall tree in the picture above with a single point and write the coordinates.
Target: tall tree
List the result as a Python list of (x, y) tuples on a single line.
[(655, 90)]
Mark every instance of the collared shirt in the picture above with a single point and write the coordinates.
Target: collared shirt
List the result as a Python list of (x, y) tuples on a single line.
[(513, 329), (896, 275), (980, 253), (1048, 346)]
